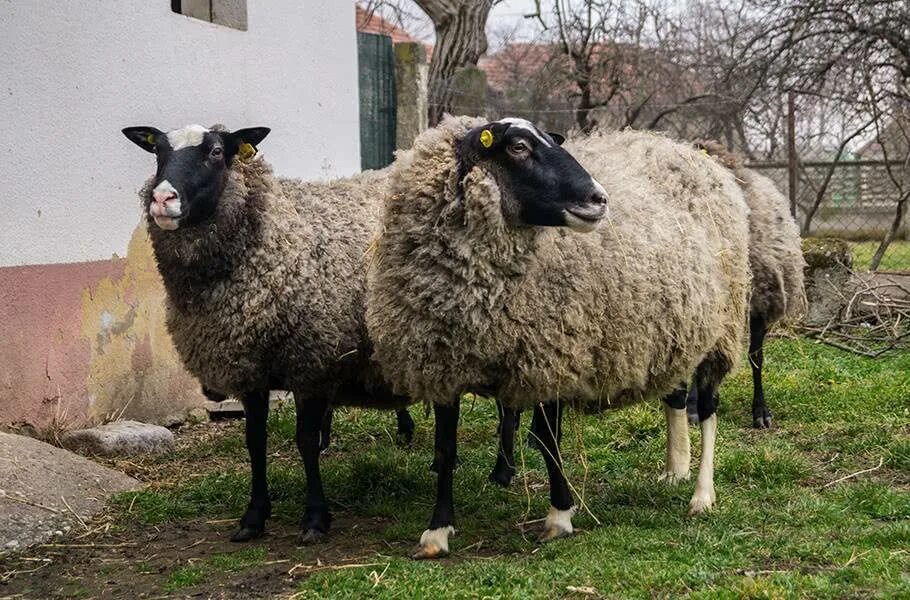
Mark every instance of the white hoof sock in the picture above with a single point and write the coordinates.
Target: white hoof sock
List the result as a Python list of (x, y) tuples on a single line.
[(558, 522), (438, 538), (704, 497), (676, 467)]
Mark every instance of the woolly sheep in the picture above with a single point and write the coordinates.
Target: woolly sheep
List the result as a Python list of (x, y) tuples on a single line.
[(776, 261), (265, 285), (465, 294)]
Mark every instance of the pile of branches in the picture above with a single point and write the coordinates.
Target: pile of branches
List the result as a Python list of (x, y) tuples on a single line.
[(875, 320)]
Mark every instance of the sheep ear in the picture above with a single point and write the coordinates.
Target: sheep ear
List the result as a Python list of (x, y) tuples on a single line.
[(243, 142), (143, 136), (489, 137), (558, 138)]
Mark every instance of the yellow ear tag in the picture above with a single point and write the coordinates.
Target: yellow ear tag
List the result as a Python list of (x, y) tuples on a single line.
[(247, 151), (486, 138), (150, 138)]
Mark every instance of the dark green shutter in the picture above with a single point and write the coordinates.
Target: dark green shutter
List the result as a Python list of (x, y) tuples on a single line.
[(376, 62)]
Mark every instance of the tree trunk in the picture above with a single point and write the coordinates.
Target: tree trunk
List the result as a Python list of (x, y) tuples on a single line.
[(460, 41)]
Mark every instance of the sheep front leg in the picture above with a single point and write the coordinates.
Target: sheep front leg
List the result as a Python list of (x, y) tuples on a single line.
[(252, 524), (761, 416), (316, 518), (434, 542), (704, 497), (504, 470), (679, 453), (548, 433)]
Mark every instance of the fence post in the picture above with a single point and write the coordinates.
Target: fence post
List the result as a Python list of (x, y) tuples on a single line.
[(791, 150), (411, 88)]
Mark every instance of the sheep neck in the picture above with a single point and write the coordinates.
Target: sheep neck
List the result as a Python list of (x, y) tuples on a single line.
[(195, 260)]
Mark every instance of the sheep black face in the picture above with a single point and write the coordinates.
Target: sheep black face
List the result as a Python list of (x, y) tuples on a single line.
[(193, 163), (542, 183)]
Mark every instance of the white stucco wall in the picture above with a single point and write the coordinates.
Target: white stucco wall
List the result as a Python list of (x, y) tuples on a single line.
[(73, 73)]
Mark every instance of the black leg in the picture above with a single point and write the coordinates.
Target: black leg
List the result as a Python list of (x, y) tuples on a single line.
[(504, 470), (316, 518), (325, 431), (761, 416), (549, 433), (692, 405), (434, 541), (533, 436), (252, 524), (405, 427)]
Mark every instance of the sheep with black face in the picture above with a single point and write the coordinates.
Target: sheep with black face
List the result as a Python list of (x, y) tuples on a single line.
[(265, 284), (482, 282)]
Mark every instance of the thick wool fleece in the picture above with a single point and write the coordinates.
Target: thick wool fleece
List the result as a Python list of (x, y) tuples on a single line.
[(271, 291), (775, 251), (459, 299)]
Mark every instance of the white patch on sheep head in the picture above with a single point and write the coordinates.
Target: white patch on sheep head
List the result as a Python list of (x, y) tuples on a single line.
[(191, 135)]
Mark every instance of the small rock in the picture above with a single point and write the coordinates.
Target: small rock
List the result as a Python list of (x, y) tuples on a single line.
[(58, 533), (120, 438), (12, 544)]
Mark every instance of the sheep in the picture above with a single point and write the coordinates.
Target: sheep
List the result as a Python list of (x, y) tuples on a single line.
[(778, 292), (265, 289), (478, 283), (776, 261)]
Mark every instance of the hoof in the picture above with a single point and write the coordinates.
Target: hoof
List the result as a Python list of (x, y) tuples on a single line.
[(429, 551), (434, 543), (761, 419), (554, 533), (671, 478), (558, 524), (245, 534), (308, 537), (502, 476), (700, 504)]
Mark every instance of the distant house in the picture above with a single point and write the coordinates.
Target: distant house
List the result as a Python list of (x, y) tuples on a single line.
[(81, 307)]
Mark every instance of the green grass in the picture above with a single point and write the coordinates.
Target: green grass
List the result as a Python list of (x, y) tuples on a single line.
[(779, 530), (896, 258)]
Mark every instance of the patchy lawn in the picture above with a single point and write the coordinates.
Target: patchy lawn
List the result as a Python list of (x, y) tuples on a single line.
[(785, 525), (896, 258)]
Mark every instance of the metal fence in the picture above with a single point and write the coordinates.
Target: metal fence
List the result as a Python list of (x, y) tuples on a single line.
[(857, 200)]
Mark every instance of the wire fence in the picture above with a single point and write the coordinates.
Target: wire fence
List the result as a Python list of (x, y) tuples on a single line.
[(856, 200)]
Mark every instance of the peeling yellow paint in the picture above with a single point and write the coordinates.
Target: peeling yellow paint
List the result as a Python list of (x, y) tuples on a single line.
[(134, 370)]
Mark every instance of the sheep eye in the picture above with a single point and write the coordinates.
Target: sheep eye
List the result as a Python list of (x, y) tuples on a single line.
[(217, 152), (519, 148)]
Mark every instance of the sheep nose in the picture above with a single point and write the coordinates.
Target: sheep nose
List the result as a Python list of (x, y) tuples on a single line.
[(598, 197), (164, 195)]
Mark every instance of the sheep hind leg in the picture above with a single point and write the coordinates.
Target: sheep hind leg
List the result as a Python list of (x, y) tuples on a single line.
[(325, 430), (558, 522), (405, 427), (504, 469), (252, 524), (679, 453), (434, 542), (708, 375), (316, 518), (761, 416)]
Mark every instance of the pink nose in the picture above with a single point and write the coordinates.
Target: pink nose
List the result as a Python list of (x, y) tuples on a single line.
[(162, 197)]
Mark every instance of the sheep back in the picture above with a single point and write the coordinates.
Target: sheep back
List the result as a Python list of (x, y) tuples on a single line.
[(775, 252)]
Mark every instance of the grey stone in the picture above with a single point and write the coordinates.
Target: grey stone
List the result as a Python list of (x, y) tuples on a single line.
[(120, 438), (45, 487)]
